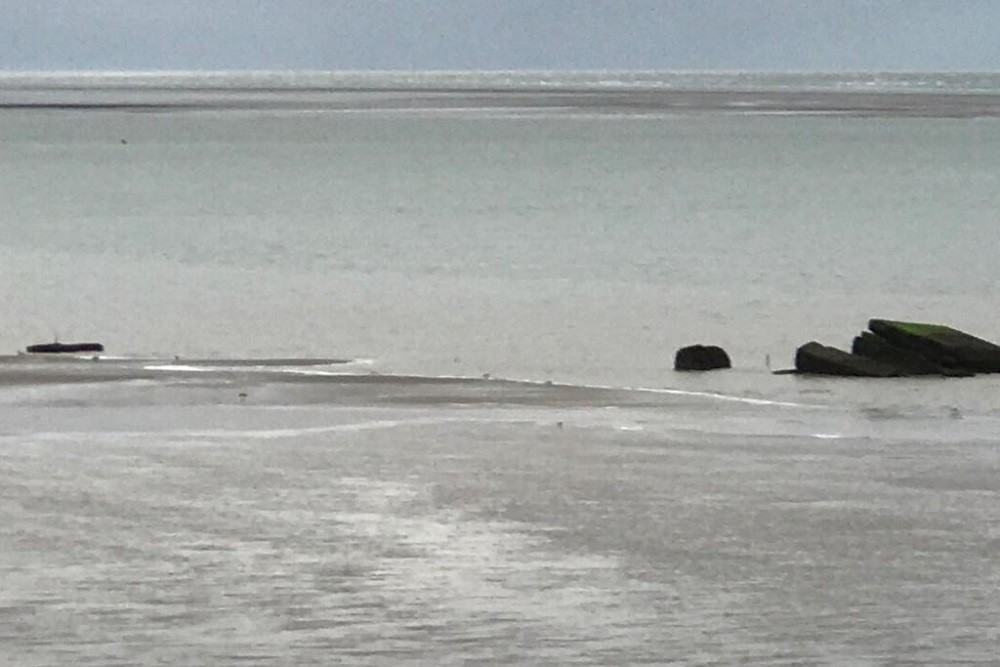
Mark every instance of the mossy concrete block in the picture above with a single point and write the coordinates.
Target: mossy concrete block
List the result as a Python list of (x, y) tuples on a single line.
[(941, 344)]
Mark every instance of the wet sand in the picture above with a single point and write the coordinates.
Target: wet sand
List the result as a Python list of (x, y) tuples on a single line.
[(458, 535)]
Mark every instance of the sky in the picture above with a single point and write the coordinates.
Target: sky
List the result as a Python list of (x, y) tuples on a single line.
[(500, 34)]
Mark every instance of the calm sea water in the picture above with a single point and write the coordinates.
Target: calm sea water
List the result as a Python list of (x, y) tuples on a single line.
[(389, 380)]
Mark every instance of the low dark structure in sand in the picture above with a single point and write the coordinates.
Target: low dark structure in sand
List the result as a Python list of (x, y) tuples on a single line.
[(65, 347), (701, 358), (902, 349)]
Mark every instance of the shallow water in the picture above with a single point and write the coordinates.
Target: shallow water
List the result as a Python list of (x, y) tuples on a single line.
[(388, 374), (562, 246)]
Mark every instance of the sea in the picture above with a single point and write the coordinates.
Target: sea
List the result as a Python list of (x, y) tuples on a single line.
[(388, 368)]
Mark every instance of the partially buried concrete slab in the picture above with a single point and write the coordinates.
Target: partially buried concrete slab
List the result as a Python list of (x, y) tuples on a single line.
[(941, 345), (821, 359)]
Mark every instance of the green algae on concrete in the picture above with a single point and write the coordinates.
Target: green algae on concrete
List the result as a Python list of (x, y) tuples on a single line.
[(941, 344), (918, 328)]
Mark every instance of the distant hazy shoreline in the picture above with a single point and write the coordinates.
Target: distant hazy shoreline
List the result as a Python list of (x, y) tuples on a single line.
[(884, 104), (899, 94)]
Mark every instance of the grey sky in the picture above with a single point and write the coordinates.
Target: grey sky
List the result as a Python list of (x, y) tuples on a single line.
[(500, 34)]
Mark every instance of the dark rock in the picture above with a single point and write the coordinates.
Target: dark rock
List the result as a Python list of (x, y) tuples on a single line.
[(701, 358), (941, 345), (909, 361), (65, 347), (824, 360)]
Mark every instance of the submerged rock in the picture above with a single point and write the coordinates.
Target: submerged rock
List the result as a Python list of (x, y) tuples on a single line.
[(701, 358)]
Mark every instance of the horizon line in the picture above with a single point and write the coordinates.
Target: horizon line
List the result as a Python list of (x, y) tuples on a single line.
[(443, 71)]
